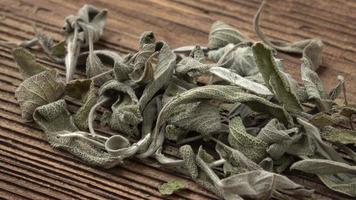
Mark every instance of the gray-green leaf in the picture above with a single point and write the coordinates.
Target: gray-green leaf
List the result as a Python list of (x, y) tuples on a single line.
[(240, 81), (274, 78), (171, 186), (26, 63), (252, 147), (222, 34), (84, 91), (38, 90)]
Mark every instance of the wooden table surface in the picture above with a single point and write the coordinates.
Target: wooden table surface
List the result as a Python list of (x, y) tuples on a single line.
[(31, 169)]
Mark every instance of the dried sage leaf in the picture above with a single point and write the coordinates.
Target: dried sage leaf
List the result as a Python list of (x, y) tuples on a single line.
[(143, 66), (252, 147), (240, 61), (77, 28), (54, 117), (240, 81), (312, 82), (274, 78), (202, 118), (26, 63), (222, 34), (348, 110), (338, 135), (162, 74), (175, 133), (246, 184), (323, 166), (73, 49), (323, 149), (313, 53), (125, 115), (187, 153), (338, 89), (260, 184), (84, 91), (193, 65), (343, 183), (313, 85), (87, 17), (56, 121), (171, 186), (279, 139), (38, 90), (147, 37), (55, 51), (337, 176), (94, 66)]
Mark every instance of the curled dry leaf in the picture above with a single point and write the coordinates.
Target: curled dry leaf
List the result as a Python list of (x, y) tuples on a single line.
[(338, 89), (87, 16), (252, 147), (84, 91), (240, 61), (55, 51), (281, 140), (313, 53), (147, 37), (55, 119), (38, 90), (143, 67), (125, 114), (77, 28), (193, 65), (322, 148), (222, 34), (313, 86), (162, 74), (274, 78)]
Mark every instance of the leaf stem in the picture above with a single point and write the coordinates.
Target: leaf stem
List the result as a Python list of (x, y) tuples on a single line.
[(217, 163), (102, 74), (85, 136)]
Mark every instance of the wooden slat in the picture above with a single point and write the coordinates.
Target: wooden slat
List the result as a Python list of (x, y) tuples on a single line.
[(30, 168)]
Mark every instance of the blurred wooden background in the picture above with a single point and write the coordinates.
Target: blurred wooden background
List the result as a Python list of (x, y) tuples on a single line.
[(31, 169)]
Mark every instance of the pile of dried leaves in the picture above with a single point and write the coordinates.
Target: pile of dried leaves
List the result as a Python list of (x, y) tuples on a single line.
[(248, 119)]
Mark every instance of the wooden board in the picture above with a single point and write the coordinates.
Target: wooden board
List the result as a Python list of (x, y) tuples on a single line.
[(31, 169)]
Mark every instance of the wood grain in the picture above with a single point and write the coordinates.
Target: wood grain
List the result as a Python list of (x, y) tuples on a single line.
[(31, 169)]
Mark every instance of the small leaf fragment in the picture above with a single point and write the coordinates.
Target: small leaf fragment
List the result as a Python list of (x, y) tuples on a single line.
[(171, 186)]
